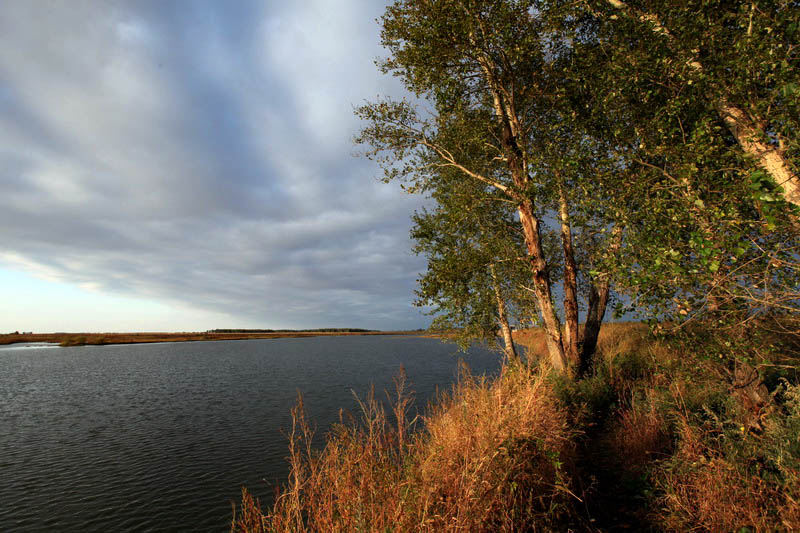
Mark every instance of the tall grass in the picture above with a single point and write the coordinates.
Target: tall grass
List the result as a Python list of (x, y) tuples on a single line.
[(489, 456), (695, 432)]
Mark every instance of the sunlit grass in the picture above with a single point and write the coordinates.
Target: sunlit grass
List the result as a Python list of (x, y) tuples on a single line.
[(663, 435), (489, 456)]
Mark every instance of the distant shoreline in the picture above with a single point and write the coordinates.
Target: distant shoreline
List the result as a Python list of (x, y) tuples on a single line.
[(98, 339)]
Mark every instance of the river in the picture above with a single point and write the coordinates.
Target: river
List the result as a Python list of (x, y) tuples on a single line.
[(161, 437)]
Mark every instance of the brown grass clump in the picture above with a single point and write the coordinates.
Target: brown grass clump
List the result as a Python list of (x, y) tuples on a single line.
[(615, 338), (702, 489), (533, 339), (490, 456), (662, 435), (639, 436), (621, 338), (501, 452)]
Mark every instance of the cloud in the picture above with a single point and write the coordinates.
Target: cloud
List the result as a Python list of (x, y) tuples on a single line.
[(200, 153)]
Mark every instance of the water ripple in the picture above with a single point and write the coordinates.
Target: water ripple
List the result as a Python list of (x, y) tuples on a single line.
[(162, 437)]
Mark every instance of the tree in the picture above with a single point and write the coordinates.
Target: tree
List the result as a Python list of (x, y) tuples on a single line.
[(657, 145), (699, 103), (746, 55), (474, 264), (496, 87)]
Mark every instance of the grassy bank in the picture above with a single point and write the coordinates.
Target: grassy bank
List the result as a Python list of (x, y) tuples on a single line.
[(81, 339), (490, 455), (670, 433)]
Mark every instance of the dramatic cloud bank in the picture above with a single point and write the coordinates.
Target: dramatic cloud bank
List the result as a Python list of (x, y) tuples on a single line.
[(200, 153)]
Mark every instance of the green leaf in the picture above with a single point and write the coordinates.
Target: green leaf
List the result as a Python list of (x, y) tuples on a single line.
[(790, 89), (767, 197)]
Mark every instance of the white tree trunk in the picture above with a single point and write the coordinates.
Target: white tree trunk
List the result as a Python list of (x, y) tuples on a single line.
[(765, 155), (744, 129)]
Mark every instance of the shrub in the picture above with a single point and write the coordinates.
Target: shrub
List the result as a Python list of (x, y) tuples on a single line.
[(701, 488)]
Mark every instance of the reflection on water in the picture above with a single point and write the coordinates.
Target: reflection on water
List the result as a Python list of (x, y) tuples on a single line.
[(28, 345), (162, 437)]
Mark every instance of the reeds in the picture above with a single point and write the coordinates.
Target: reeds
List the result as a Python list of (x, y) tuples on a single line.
[(659, 437), (489, 456)]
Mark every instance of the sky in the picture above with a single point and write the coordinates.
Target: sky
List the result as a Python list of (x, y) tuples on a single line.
[(186, 165)]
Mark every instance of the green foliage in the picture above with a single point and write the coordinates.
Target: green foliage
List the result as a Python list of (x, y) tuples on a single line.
[(503, 135), (622, 108), (783, 429), (589, 401), (472, 257), (671, 429), (704, 223)]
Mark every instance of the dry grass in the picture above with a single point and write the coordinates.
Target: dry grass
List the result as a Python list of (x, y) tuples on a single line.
[(533, 339), (80, 339), (622, 338), (681, 424), (638, 436), (615, 338), (702, 489), (490, 456)]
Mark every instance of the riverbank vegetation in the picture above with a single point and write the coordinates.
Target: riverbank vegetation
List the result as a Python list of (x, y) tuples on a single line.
[(583, 160), (667, 434), (489, 455), (83, 339)]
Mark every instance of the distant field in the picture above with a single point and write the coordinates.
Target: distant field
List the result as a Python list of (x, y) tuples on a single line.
[(79, 339)]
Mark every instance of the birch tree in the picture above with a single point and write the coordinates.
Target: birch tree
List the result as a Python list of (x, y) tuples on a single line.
[(474, 267), (495, 86)]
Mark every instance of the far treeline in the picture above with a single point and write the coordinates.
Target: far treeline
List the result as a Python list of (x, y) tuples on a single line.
[(318, 330), (586, 159)]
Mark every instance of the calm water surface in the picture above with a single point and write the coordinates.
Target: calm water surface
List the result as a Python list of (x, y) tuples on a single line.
[(161, 437)]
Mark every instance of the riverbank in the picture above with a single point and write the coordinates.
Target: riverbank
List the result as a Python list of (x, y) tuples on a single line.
[(696, 429), (81, 339)]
